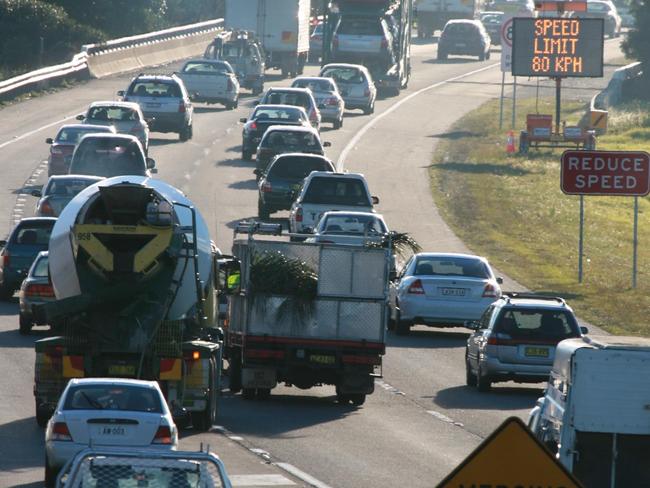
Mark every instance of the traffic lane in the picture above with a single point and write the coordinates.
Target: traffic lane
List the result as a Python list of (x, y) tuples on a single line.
[(389, 440)]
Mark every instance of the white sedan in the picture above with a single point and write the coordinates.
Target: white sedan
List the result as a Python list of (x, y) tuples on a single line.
[(107, 412), (349, 228), (442, 290)]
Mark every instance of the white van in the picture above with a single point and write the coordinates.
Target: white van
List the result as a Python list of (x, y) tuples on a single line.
[(595, 414)]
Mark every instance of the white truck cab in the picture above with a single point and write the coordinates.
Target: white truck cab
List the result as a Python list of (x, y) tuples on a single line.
[(595, 413)]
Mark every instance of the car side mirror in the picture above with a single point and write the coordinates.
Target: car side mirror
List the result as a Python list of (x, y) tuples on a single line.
[(49, 140), (327, 144), (584, 330), (375, 200), (472, 324), (121, 93), (80, 117), (258, 172), (3, 243), (151, 163), (256, 102), (499, 280), (150, 120), (243, 120), (36, 193)]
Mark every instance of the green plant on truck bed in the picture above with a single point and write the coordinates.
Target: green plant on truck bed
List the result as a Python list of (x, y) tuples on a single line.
[(510, 208)]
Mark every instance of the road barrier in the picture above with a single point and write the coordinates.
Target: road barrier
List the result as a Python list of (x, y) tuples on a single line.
[(118, 56)]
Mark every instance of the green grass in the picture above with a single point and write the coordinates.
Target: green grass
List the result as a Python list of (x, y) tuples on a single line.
[(510, 208)]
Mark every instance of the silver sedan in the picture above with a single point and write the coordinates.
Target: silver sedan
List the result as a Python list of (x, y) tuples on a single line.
[(442, 290), (329, 100), (58, 191)]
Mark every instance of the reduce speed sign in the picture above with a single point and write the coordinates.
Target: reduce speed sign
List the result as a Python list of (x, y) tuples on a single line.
[(506, 44)]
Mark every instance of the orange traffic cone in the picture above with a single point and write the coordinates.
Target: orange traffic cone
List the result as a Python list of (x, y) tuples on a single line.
[(510, 144)]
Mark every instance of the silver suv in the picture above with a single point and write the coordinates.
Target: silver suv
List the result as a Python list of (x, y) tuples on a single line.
[(164, 101), (515, 339)]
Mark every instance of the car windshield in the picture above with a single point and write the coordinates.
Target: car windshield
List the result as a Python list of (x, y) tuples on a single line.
[(451, 266), (204, 68), (360, 27), (67, 187), (33, 233), (352, 224), (344, 75), (113, 397), (158, 89), (72, 136), (535, 323), (286, 114), (113, 114), (492, 19), (316, 85), (337, 191), (296, 168), (459, 29), (291, 141), (288, 98), (41, 268), (108, 157)]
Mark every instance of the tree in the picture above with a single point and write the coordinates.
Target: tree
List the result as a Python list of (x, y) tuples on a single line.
[(637, 44), (181, 12)]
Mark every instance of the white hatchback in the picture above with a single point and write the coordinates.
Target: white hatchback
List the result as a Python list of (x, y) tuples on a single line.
[(112, 412)]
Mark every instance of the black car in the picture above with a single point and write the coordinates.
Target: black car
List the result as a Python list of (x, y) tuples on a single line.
[(280, 183), (464, 37), (492, 22), (280, 139), (262, 118), (17, 253)]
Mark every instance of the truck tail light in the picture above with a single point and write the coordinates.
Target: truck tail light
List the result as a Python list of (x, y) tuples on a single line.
[(181, 108), (416, 288), (299, 215), (60, 432), (163, 435), (266, 187), (43, 291), (490, 291)]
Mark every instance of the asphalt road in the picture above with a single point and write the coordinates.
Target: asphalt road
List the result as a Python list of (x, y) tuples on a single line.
[(422, 420)]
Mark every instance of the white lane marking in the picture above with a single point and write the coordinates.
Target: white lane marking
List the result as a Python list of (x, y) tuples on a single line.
[(389, 388), (444, 418), (307, 478), (235, 438), (357, 137), (36, 131), (260, 480)]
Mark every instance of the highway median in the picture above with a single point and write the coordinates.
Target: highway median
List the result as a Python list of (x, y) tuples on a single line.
[(510, 208)]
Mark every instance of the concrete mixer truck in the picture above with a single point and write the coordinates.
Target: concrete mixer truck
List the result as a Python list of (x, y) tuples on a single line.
[(132, 267)]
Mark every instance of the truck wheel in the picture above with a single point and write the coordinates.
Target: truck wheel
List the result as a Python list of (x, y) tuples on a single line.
[(25, 324), (483, 382), (6, 293), (50, 474), (42, 416), (370, 109), (184, 134), (246, 155), (470, 377), (263, 211), (390, 323), (358, 399), (342, 398), (402, 327), (442, 56), (338, 124), (234, 372), (263, 393), (284, 72), (248, 393)]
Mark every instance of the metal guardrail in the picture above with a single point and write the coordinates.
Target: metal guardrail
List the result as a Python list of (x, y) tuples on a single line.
[(78, 66)]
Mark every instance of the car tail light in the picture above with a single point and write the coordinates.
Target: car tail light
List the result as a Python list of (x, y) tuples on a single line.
[(56, 150), (299, 215), (43, 291), (163, 435), (493, 340), (46, 208), (253, 126), (266, 187), (6, 259), (490, 291), (416, 288), (60, 432), (181, 107), (332, 101)]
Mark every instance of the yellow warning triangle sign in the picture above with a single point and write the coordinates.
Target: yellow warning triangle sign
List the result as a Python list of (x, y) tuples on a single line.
[(510, 457)]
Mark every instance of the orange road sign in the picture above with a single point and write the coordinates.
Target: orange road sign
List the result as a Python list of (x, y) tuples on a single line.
[(510, 457)]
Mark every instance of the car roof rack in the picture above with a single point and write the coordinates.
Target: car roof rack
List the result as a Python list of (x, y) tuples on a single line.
[(531, 296)]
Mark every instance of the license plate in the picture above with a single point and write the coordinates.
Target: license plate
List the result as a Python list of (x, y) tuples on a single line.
[(537, 352), (112, 431), (322, 359), (453, 292), (153, 105), (461, 44), (121, 370)]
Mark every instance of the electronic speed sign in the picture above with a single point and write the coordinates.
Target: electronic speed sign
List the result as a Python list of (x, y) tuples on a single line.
[(558, 47)]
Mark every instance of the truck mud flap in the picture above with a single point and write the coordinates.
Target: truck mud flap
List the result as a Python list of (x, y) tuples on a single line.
[(259, 378)]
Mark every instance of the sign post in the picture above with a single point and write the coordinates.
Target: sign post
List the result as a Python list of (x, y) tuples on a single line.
[(617, 173), (506, 59)]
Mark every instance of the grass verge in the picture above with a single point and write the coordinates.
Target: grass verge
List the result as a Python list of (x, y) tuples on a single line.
[(510, 208)]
